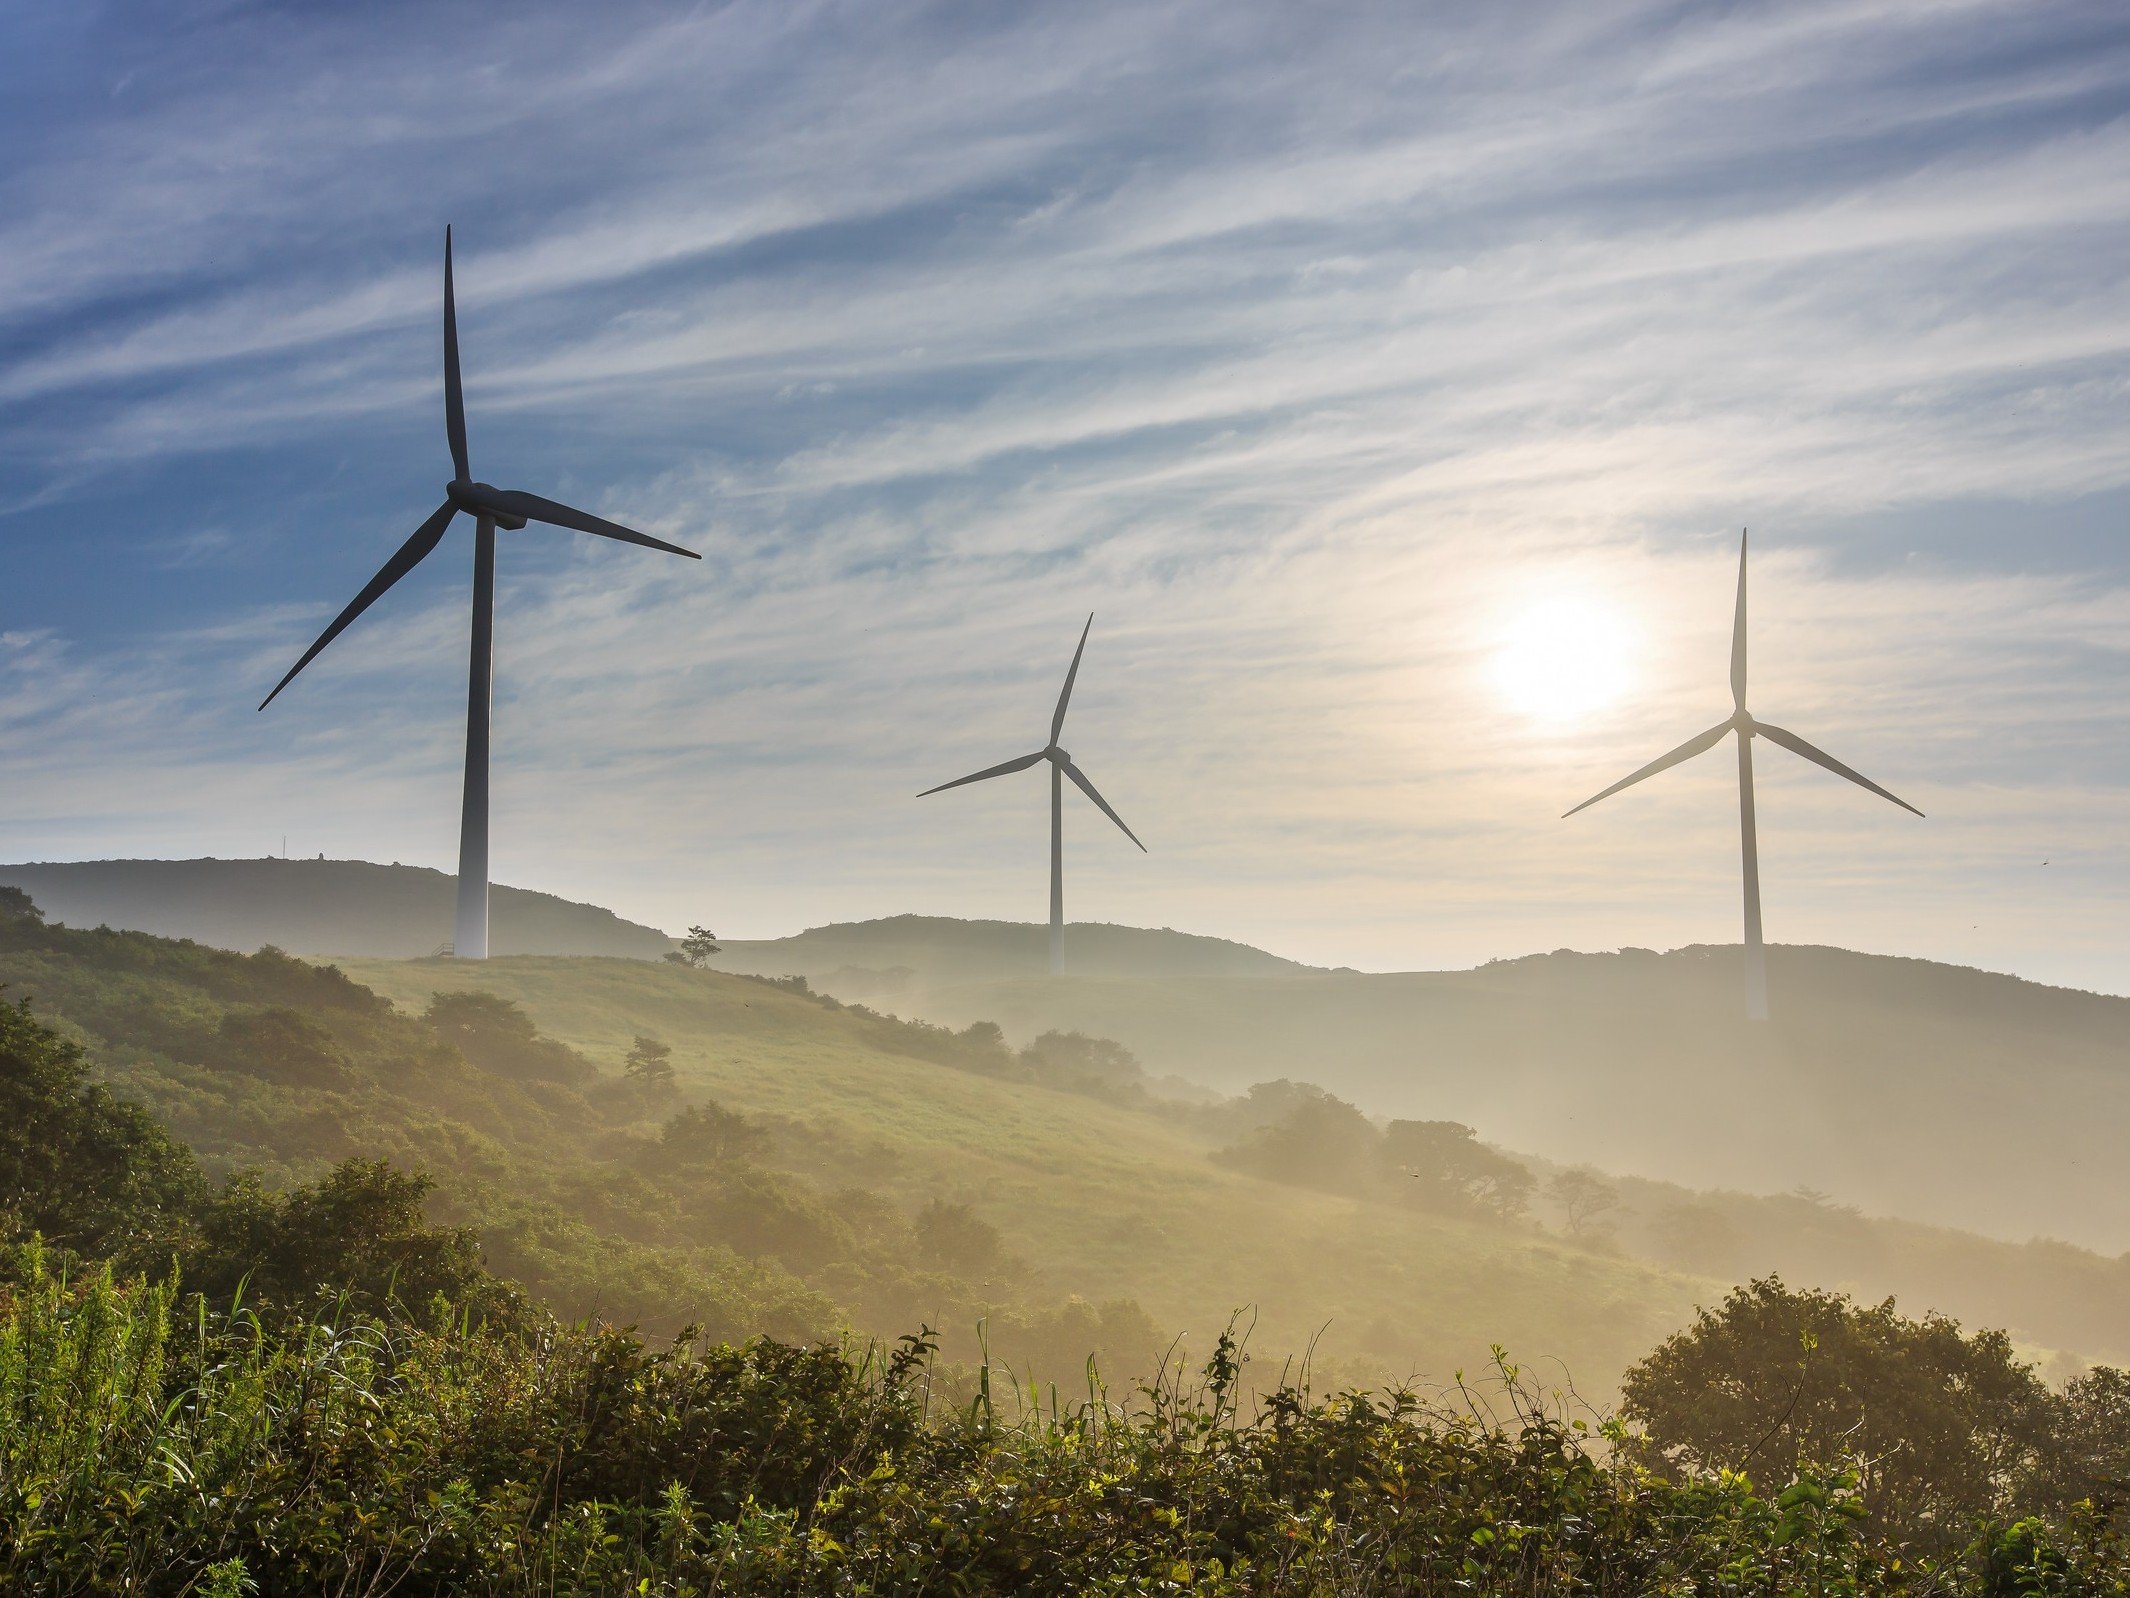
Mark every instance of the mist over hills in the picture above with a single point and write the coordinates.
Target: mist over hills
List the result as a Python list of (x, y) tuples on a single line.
[(349, 907), (1940, 1093), (1944, 1095)]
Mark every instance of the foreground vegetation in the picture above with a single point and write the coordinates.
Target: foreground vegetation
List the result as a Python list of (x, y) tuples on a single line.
[(151, 1446), (212, 1385)]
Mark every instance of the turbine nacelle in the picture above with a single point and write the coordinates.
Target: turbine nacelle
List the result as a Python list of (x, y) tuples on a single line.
[(482, 499), (1057, 756)]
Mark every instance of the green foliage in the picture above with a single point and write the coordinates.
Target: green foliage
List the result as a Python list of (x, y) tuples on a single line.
[(698, 946), (147, 1452), (495, 1035), (360, 1233), (77, 1165), (1941, 1427), (15, 905)]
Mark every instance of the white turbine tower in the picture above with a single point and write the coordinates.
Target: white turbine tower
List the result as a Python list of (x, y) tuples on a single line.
[(1742, 723), (491, 508), (1061, 768)]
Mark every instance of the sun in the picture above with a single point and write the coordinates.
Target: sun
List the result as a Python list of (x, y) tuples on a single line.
[(1562, 658)]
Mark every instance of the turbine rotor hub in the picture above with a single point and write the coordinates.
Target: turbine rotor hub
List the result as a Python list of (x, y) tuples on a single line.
[(1057, 756)]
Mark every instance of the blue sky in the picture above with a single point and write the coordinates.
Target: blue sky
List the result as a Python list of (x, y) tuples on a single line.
[(1390, 380)]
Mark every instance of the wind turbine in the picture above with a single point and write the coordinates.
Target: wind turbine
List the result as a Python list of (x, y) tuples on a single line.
[(510, 509), (1061, 768), (1742, 723)]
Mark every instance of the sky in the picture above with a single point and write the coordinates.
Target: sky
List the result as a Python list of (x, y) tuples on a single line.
[(1390, 381)]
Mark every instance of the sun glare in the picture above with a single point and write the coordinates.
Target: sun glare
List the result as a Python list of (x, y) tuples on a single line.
[(1560, 659)]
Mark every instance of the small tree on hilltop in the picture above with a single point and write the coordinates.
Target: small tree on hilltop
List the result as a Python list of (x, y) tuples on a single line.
[(696, 948), (650, 1065)]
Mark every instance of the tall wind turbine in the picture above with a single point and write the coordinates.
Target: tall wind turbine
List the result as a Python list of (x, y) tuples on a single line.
[(1742, 723), (1061, 768), (510, 509)]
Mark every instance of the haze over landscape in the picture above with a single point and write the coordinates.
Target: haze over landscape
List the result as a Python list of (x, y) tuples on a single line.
[(683, 1119)]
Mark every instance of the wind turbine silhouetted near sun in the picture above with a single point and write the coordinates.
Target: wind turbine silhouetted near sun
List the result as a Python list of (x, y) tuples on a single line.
[(1061, 767), (508, 508), (1742, 723)]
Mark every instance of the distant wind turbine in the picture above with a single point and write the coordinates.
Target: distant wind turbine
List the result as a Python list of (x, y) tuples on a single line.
[(1061, 768), (508, 508), (1742, 723)]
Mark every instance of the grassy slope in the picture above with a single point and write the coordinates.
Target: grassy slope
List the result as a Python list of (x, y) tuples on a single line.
[(1105, 1201), (1889, 1083)]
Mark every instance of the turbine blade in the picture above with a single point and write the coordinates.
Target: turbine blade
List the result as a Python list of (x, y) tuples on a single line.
[(1738, 632), (1057, 719), (1819, 757), (454, 397), (1080, 781), (1021, 764), (1686, 751), (535, 509), (410, 555)]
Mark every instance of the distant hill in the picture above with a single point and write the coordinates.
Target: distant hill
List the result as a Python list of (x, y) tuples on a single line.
[(903, 952), (1960, 1097), (317, 907)]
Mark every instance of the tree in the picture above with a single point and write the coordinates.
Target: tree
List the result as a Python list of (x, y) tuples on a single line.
[(1318, 1141), (953, 1237), (15, 905), (650, 1065), (1940, 1426), (1452, 1173), (2090, 1450), (495, 1035), (87, 1170), (1077, 1063), (1584, 1199), (696, 948)]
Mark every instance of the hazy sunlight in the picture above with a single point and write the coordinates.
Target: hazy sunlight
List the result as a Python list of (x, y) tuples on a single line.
[(1562, 658)]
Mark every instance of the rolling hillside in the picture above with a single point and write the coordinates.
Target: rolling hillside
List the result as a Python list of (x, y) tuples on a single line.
[(1118, 1201), (317, 907), (1887, 1083), (1106, 1200)]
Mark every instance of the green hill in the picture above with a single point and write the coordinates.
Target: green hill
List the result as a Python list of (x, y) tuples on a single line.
[(1101, 1219), (1113, 1200), (819, 1166), (1950, 1096), (317, 907), (1104, 1200)]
